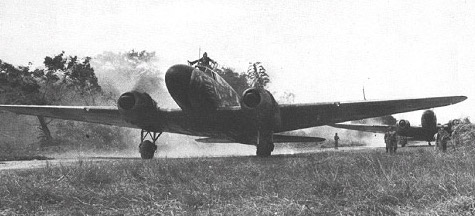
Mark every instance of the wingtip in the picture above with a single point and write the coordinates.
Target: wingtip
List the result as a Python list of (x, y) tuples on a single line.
[(460, 98), (455, 99)]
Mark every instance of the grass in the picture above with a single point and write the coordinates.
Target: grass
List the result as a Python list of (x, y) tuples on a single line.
[(21, 157), (414, 181), (418, 181), (18, 155)]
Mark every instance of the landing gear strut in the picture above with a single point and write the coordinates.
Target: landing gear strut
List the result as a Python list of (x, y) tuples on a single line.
[(147, 148), (265, 144)]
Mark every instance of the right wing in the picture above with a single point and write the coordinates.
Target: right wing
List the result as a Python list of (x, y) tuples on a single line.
[(299, 116)]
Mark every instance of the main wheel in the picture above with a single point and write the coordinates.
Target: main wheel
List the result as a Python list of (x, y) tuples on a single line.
[(147, 149), (264, 150)]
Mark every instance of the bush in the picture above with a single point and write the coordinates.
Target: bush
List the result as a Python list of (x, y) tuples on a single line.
[(464, 135)]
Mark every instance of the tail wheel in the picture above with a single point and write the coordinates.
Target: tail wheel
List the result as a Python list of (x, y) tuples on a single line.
[(147, 149)]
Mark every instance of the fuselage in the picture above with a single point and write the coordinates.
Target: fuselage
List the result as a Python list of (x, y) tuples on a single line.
[(197, 91), (200, 94)]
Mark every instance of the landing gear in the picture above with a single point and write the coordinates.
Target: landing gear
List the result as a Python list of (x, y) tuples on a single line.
[(147, 148), (265, 144), (264, 150)]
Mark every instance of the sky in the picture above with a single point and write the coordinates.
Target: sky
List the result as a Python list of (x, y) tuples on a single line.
[(319, 50)]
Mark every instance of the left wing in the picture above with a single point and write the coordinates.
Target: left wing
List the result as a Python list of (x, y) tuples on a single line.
[(365, 127)]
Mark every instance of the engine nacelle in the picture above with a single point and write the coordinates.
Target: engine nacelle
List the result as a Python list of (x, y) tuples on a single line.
[(261, 104), (140, 109), (429, 121), (455, 122), (403, 125), (253, 97)]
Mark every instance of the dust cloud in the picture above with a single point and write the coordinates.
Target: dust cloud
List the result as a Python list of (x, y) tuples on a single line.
[(119, 77)]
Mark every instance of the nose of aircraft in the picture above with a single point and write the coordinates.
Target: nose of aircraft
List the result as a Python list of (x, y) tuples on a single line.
[(178, 79)]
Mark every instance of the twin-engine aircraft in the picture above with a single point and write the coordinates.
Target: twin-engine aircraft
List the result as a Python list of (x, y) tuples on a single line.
[(425, 132), (212, 109)]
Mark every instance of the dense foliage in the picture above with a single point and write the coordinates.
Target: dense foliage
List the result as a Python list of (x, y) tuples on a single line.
[(257, 75), (64, 80), (237, 80)]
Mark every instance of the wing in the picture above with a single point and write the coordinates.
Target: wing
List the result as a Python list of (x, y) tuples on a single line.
[(364, 127), (298, 116), (292, 116), (175, 120), (108, 115)]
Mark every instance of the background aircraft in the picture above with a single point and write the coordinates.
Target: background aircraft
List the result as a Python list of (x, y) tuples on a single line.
[(425, 132), (211, 108)]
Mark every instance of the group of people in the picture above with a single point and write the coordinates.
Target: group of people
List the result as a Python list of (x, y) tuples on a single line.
[(391, 140)]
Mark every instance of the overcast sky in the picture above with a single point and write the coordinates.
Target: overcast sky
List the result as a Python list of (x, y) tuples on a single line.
[(319, 50)]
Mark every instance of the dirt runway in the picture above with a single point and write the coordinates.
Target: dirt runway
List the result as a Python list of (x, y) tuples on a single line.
[(63, 160)]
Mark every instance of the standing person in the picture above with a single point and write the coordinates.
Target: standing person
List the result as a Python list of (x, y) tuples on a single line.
[(392, 142), (336, 137), (402, 140), (386, 139), (203, 61), (443, 137), (436, 138)]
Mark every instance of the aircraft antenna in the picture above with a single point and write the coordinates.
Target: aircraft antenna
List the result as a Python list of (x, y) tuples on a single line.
[(364, 95)]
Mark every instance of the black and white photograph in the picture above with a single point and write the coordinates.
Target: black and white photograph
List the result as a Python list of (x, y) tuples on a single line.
[(182, 107)]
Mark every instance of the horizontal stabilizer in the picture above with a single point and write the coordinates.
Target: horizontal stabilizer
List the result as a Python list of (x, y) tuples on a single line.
[(278, 138), (365, 127), (213, 140)]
